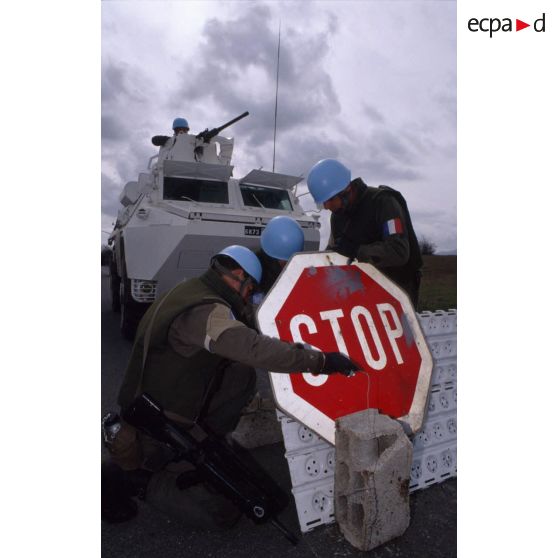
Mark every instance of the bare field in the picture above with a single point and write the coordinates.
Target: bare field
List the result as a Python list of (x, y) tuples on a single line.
[(438, 290)]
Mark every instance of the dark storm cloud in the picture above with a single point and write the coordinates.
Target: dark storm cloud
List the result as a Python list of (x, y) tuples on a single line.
[(425, 141), (394, 147), (245, 40), (448, 106), (236, 69), (126, 161), (127, 168), (111, 128), (430, 215), (126, 147), (382, 157), (127, 95), (385, 156), (380, 170), (112, 82), (332, 24), (110, 191), (122, 83), (373, 114), (297, 154), (133, 160), (420, 139)]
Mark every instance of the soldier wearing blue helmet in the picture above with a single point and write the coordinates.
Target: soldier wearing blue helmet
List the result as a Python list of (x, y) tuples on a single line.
[(179, 126), (195, 352), (281, 238), (370, 224)]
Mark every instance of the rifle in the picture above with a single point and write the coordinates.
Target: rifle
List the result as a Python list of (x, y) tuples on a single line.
[(207, 135), (235, 475)]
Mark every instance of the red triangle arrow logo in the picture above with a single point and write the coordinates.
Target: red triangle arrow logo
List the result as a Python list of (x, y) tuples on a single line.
[(519, 25)]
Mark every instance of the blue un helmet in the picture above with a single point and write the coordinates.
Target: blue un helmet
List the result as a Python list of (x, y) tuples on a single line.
[(180, 123), (282, 237), (327, 178), (246, 259)]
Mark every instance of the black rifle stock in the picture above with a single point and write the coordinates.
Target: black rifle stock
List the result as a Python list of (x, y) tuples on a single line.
[(207, 135), (230, 471)]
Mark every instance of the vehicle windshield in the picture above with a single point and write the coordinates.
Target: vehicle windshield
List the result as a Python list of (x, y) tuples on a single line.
[(193, 189), (269, 198)]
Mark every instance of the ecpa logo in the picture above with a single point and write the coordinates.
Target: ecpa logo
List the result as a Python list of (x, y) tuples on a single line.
[(495, 24)]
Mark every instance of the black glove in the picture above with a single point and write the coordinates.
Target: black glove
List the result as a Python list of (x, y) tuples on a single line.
[(338, 362), (346, 247)]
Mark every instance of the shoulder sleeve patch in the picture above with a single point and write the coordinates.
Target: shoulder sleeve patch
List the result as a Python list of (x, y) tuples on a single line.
[(393, 226), (220, 319)]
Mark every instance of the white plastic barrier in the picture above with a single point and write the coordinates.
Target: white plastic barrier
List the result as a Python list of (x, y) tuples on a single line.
[(311, 459)]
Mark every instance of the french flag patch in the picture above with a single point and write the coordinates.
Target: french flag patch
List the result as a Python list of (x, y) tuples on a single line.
[(393, 226)]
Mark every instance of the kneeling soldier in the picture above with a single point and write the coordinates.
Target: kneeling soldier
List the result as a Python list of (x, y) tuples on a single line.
[(195, 352)]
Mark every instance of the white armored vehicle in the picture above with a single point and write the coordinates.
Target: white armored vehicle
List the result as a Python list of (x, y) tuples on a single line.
[(185, 209)]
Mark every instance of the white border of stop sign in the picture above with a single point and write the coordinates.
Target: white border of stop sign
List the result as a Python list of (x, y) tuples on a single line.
[(300, 409)]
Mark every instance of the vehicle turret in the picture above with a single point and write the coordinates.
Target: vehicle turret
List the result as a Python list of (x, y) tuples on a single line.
[(184, 209)]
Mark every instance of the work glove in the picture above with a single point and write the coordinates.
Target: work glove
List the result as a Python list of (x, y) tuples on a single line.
[(338, 362)]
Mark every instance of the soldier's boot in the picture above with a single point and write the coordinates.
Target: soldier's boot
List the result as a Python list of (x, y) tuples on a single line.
[(118, 488), (117, 505)]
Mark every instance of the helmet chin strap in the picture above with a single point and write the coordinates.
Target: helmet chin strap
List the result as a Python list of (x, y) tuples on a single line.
[(345, 199), (344, 196), (228, 273)]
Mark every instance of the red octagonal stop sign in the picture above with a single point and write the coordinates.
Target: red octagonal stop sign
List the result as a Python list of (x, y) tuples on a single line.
[(356, 310)]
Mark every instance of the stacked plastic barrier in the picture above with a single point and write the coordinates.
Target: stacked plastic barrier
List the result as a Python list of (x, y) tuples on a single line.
[(311, 459), (435, 445), (311, 462)]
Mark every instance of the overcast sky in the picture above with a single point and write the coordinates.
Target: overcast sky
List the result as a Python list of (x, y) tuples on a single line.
[(371, 83)]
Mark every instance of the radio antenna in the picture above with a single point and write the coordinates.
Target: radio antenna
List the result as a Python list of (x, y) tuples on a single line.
[(276, 94)]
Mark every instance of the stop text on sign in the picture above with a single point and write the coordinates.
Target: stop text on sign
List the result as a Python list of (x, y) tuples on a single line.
[(376, 357)]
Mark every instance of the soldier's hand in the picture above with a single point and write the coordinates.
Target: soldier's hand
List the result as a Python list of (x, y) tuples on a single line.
[(338, 362)]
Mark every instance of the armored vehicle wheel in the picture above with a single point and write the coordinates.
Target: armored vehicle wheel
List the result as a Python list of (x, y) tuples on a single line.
[(129, 311), (114, 283)]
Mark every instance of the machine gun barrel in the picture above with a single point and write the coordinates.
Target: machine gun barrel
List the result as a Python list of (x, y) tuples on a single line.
[(207, 134), (235, 475)]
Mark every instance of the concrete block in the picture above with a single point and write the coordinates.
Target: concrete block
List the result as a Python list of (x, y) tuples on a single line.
[(372, 471)]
